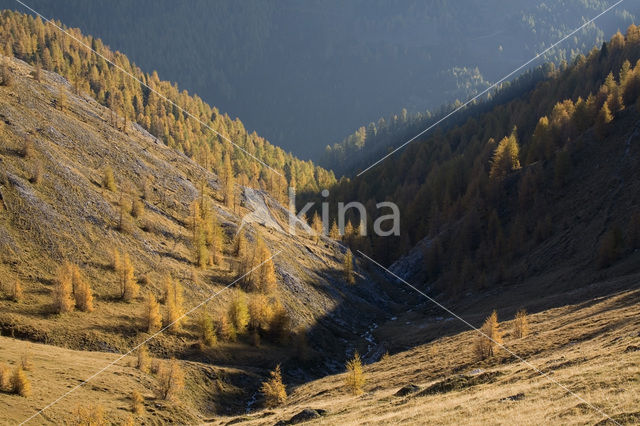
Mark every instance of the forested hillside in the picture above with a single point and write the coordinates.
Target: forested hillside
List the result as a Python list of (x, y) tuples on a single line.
[(368, 144), (31, 40), (148, 274), (305, 74), (113, 242), (488, 192)]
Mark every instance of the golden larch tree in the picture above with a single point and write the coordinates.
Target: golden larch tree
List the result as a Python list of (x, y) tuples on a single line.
[(129, 288), (520, 324), (152, 317), (15, 291), (25, 361), (240, 244), (207, 330), (124, 216), (62, 291), (603, 118), (81, 290), (263, 276), (20, 384), (214, 239), (170, 379), (227, 173), (317, 227), (61, 100), (274, 390), (225, 328), (116, 262), (349, 233), (260, 312), (144, 360), (174, 302), (197, 235), (239, 312), (6, 77), (108, 180), (137, 209), (137, 403), (90, 414), (490, 339), (355, 378), (506, 157), (334, 232), (348, 268), (5, 378)]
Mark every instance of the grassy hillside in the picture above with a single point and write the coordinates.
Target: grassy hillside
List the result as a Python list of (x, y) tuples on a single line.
[(593, 333), (56, 207), (590, 347), (209, 390), (180, 120)]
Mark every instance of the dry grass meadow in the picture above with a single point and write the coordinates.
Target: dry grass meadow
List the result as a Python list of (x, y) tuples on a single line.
[(591, 349)]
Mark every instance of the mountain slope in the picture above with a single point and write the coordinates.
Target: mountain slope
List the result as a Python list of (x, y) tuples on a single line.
[(56, 208), (486, 191), (540, 230), (181, 121), (591, 348), (306, 75), (55, 370)]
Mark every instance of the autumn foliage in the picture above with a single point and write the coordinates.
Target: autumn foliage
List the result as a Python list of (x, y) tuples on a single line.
[(144, 359), (258, 268), (173, 300), (355, 377), (62, 291), (348, 268), (82, 292), (170, 379), (152, 316), (20, 384), (506, 157), (129, 288), (15, 291), (521, 324), (207, 330), (137, 403), (489, 339), (274, 390)]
